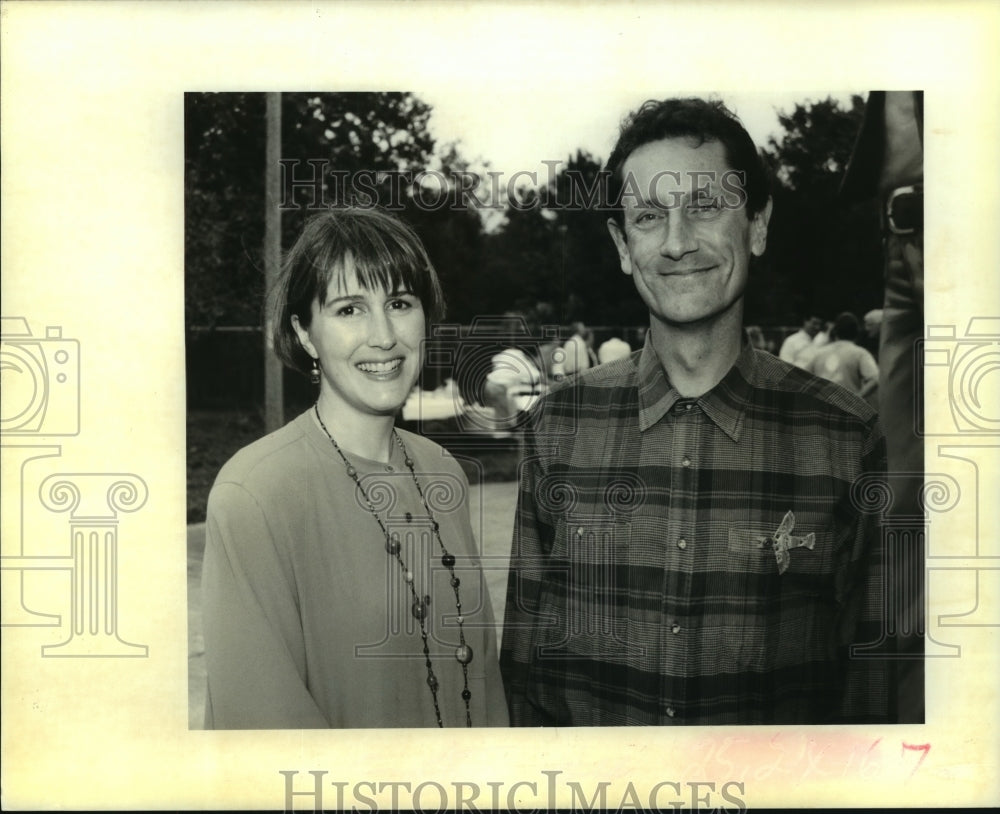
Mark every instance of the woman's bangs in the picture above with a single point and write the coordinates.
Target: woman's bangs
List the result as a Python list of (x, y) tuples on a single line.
[(379, 264)]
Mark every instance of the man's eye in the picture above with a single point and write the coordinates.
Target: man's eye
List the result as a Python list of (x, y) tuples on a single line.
[(647, 217), (700, 207)]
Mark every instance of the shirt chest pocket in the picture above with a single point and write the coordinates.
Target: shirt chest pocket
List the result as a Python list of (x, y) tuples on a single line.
[(779, 593)]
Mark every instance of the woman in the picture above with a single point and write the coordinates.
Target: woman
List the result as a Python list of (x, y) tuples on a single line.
[(341, 586)]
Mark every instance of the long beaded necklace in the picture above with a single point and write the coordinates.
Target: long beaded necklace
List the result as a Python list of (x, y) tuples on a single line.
[(420, 606)]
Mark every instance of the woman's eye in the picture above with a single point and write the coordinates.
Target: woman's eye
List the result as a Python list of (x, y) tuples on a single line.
[(346, 311), (401, 304)]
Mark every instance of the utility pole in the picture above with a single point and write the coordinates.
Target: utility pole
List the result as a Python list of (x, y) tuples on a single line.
[(274, 408)]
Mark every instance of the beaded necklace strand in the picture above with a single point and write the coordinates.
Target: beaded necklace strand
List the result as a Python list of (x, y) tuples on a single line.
[(419, 607)]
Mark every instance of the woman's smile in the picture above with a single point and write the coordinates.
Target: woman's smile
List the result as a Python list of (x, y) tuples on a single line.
[(386, 369)]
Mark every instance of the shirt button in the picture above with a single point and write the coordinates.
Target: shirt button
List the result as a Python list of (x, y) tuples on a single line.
[(686, 461), (671, 712), (682, 543), (675, 628)]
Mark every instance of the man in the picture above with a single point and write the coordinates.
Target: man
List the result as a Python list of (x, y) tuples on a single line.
[(578, 351), (612, 349), (795, 343), (873, 326), (686, 549), (887, 165), (805, 356), (512, 386), (844, 362)]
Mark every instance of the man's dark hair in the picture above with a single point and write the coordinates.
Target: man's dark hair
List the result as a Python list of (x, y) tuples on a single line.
[(701, 121), (845, 327)]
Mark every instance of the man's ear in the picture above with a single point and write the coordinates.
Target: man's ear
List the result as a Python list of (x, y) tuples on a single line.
[(303, 336), (618, 236), (758, 229)]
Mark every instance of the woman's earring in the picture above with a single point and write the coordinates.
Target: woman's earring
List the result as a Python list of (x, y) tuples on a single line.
[(314, 373)]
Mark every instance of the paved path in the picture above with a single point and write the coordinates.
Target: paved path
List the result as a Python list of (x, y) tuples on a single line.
[(492, 510)]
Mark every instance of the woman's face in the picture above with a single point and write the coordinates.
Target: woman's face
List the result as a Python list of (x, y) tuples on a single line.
[(368, 343)]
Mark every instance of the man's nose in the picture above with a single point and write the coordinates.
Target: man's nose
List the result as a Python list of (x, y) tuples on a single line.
[(678, 235)]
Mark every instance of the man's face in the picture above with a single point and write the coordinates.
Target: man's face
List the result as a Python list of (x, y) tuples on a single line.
[(685, 244), (872, 323), (813, 326)]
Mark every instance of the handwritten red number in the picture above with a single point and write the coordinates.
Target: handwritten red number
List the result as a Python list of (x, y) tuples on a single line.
[(917, 747)]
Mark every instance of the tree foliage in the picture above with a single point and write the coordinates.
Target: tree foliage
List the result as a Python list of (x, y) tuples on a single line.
[(225, 173), (550, 255), (822, 257)]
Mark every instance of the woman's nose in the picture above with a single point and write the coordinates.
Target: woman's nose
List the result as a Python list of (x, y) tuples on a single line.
[(381, 333)]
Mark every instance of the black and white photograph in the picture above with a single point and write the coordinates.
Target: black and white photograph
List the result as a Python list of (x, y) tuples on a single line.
[(569, 375), (569, 295)]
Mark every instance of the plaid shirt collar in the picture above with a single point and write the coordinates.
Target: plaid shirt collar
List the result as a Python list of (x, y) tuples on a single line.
[(725, 404)]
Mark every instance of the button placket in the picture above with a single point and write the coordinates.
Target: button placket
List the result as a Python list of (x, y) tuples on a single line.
[(686, 429)]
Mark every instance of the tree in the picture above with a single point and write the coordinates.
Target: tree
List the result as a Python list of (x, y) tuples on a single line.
[(224, 180), (597, 292), (822, 256), (553, 256), (454, 238)]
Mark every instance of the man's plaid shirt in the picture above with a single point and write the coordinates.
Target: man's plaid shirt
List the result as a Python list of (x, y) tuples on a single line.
[(644, 584)]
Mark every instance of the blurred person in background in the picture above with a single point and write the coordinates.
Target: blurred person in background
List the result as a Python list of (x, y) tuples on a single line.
[(612, 349), (801, 339), (578, 351), (843, 361), (872, 329), (341, 589), (756, 337), (512, 386), (805, 356)]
